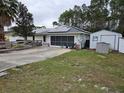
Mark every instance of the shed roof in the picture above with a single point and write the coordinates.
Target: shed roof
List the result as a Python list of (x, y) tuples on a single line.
[(112, 32)]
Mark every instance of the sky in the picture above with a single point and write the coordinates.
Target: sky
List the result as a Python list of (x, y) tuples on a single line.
[(46, 11)]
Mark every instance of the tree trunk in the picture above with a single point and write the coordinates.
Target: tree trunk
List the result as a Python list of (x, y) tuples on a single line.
[(25, 38), (2, 33), (108, 25)]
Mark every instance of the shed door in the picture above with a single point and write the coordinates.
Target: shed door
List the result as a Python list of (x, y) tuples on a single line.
[(111, 39)]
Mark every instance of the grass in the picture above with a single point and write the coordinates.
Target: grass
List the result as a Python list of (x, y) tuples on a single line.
[(80, 71)]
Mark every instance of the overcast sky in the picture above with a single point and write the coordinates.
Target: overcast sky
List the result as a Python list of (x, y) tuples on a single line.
[(46, 11)]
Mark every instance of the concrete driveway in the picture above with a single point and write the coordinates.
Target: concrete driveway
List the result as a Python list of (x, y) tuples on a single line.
[(17, 58)]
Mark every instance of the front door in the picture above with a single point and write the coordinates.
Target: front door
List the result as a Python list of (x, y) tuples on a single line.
[(44, 38)]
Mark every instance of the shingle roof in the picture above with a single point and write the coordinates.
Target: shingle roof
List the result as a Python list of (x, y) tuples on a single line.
[(60, 29)]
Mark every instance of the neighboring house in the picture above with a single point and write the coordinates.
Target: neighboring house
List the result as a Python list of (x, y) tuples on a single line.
[(105, 36), (9, 36), (63, 36)]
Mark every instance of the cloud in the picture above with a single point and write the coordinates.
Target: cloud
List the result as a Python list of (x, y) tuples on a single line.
[(47, 11)]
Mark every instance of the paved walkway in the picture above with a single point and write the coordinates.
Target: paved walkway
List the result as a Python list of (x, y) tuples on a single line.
[(17, 58)]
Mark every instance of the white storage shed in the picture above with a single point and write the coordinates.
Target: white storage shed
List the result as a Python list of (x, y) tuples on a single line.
[(107, 37)]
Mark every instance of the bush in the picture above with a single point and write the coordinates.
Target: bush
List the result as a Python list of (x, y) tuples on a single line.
[(18, 46)]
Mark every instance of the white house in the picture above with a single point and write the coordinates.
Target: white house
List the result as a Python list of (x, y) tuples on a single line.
[(58, 36), (105, 36), (63, 36), (9, 36)]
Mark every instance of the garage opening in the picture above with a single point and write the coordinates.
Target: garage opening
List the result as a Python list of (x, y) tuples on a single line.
[(62, 40)]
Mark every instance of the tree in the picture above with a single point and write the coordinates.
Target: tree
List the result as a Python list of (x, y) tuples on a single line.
[(121, 17), (77, 17), (101, 14), (117, 15), (24, 22), (72, 17), (66, 17), (8, 13), (55, 23), (114, 8), (98, 13)]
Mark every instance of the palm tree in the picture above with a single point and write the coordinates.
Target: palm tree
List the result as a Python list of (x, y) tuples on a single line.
[(8, 12)]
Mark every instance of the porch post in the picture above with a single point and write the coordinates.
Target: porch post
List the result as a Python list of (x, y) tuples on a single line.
[(2, 38)]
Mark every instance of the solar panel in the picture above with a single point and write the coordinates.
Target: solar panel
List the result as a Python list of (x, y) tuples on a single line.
[(60, 29)]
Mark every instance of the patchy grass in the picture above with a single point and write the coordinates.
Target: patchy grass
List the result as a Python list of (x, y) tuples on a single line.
[(80, 71)]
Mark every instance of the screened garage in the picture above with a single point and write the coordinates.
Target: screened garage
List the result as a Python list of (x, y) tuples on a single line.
[(62, 40)]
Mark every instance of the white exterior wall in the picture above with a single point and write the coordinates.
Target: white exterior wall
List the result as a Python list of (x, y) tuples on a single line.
[(29, 38), (39, 38), (121, 45), (108, 38), (48, 37), (78, 39), (81, 40), (36, 38), (14, 38)]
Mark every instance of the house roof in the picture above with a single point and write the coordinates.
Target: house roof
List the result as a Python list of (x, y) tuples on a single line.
[(60, 29)]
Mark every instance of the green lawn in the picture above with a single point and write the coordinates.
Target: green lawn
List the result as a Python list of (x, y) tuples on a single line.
[(80, 71)]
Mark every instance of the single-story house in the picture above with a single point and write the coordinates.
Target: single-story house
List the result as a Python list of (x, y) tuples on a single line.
[(105, 36), (62, 36), (58, 36)]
